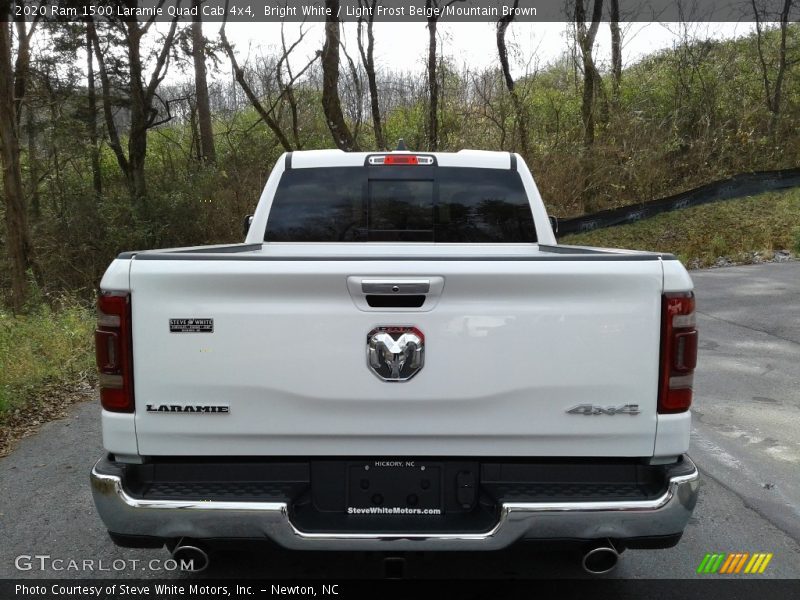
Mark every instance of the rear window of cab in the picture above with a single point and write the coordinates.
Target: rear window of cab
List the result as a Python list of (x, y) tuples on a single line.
[(400, 204)]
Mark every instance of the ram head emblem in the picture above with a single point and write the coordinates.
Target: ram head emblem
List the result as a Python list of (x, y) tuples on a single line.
[(395, 353)]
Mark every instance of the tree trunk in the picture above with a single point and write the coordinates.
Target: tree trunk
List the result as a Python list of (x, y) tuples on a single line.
[(207, 150), (56, 179), (137, 139), (368, 58), (331, 103), (519, 110), (196, 147), (108, 114), (591, 81), (777, 95), (587, 102), (433, 82), (616, 52), (358, 92), (18, 241), (33, 163), (773, 92), (21, 66), (97, 182)]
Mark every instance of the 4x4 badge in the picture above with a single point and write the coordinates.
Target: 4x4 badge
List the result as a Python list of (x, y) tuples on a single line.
[(593, 409)]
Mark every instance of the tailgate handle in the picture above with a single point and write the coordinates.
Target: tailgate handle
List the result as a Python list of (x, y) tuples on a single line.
[(386, 286)]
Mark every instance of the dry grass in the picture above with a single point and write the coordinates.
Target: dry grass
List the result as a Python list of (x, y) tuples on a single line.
[(46, 363), (741, 231)]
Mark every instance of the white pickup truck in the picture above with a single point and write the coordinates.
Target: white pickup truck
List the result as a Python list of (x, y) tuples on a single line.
[(399, 357)]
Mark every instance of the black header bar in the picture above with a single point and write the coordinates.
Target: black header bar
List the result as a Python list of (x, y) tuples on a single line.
[(387, 11), (387, 589)]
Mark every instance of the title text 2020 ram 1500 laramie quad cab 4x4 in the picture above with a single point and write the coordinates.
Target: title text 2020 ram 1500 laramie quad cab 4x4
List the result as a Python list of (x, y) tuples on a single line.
[(399, 357)]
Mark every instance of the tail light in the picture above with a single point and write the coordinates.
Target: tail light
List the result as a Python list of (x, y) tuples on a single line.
[(114, 352), (678, 352)]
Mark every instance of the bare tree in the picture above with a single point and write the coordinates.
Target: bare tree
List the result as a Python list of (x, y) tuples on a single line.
[(91, 92), (490, 107), (33, 162), (616, 50), (142, 96), (433, 10), (592, 81), (108, 111), (239, 74), (352, 93), (207, 151), (519, 110), (280, 76), (331, 102), (773, 90), (12, 91), (286, 88), (368, 59), (433, 82)]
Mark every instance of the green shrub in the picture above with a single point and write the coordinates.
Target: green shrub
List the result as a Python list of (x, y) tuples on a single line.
[(796, 241), (41, 348)]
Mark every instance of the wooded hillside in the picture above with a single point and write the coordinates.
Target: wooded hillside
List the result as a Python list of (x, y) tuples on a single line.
[(99, 154)]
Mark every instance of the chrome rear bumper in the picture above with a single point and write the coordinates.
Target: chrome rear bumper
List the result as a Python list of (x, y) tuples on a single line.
[(125, 515)]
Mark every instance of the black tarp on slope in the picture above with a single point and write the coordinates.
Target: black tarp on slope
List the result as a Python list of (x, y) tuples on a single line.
[(745, 184)]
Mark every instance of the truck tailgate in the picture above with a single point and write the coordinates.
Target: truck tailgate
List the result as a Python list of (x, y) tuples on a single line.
[(511, 345)]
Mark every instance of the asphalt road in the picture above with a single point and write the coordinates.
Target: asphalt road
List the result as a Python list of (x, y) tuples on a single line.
[(746, 441)]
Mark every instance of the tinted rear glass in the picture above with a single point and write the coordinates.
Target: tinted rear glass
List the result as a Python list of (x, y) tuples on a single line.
[(400, 203)]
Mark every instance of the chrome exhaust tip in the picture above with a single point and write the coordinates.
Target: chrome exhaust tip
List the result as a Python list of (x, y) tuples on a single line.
[(190, 558), (600, 560)]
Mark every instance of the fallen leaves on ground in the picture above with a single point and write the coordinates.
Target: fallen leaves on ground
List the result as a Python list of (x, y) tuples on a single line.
[(54, 401)]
